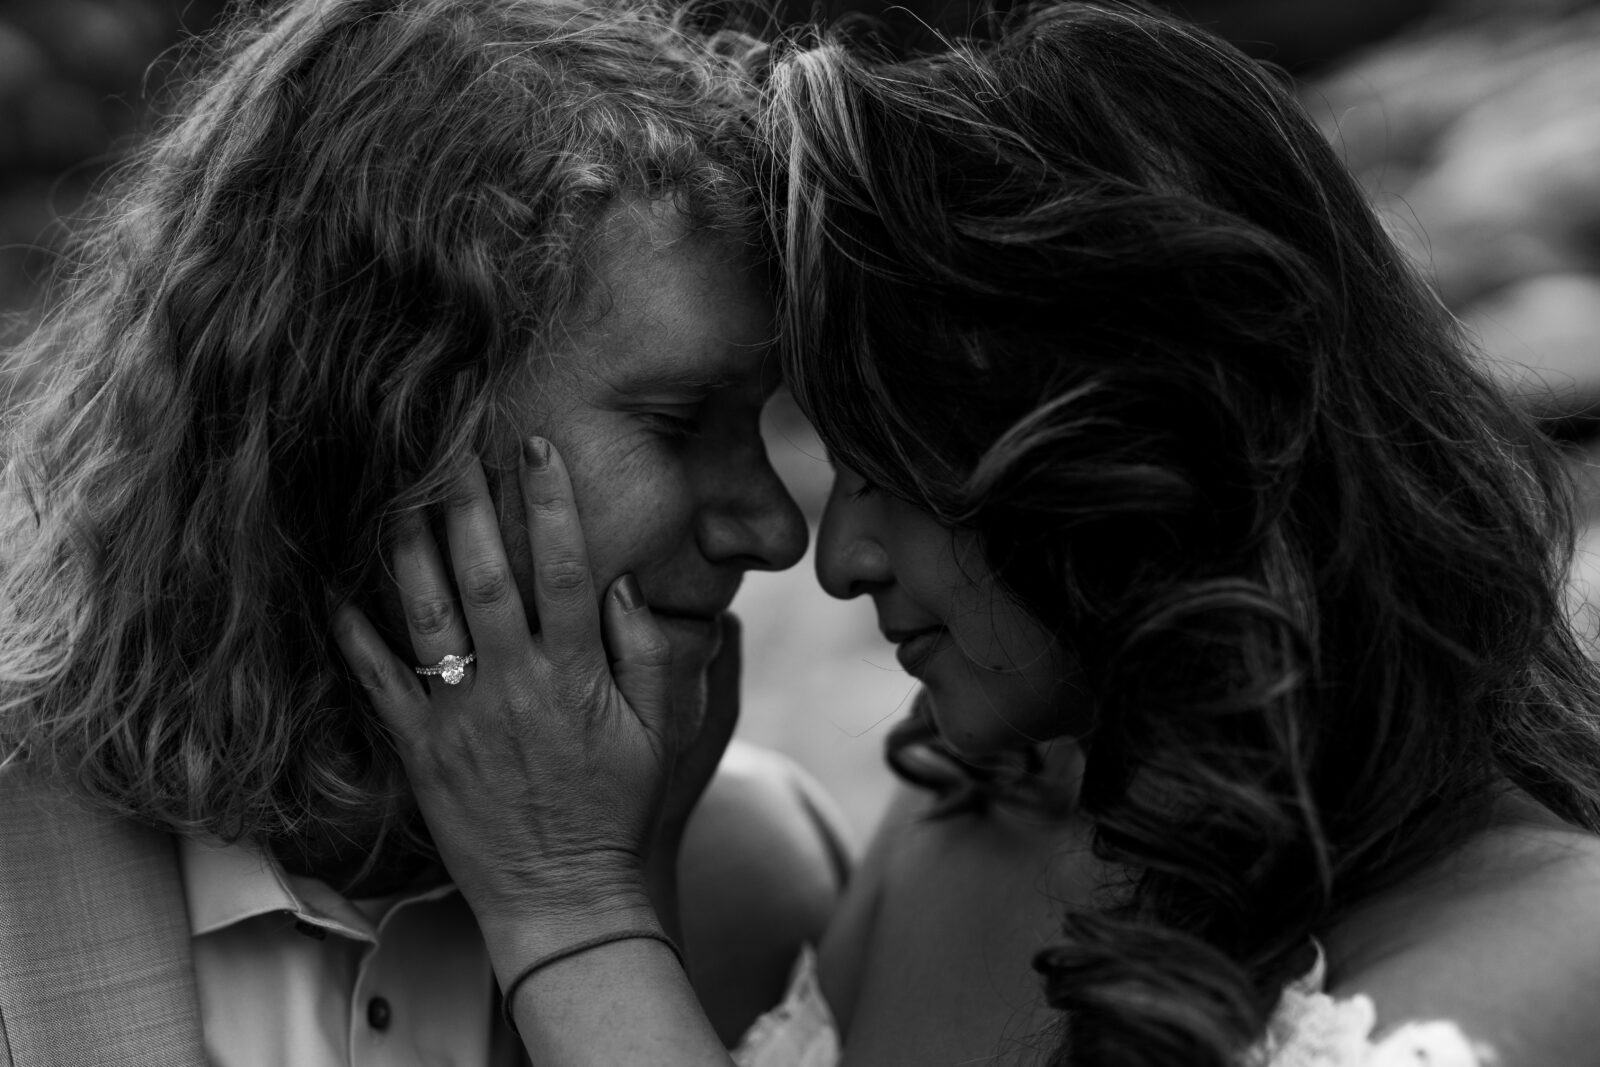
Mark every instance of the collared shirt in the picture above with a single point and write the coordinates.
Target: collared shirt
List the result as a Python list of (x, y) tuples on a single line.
[(290, 972)]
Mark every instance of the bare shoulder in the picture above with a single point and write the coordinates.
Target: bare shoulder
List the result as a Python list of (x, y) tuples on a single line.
[(844, 950), (1503, 939), (764, 860), (962, 905)]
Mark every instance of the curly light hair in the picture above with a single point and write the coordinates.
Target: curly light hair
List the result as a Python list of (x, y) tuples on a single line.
[(292, 318)]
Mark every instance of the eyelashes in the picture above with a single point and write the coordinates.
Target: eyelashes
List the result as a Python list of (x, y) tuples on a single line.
[(678, 427), (842, 473)]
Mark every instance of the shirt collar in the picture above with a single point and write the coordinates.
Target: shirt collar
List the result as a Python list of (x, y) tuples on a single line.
[(227, 884)]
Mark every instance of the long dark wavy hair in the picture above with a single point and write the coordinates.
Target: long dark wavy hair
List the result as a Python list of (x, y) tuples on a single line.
[(292, 320), (1100, 292)]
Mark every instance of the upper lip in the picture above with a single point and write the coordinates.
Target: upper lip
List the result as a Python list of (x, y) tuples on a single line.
[(900, 637)]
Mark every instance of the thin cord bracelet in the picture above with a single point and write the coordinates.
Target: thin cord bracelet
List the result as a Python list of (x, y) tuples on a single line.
[(510, 991)]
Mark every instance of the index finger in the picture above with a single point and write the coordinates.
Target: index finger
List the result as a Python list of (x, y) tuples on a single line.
[(563, 591)]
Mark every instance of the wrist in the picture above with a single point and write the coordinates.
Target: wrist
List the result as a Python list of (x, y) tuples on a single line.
[(539, 966), (542, 884), (517, 932), (661, 881)]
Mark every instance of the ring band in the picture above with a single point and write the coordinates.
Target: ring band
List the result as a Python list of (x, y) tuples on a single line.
[(449, 670)]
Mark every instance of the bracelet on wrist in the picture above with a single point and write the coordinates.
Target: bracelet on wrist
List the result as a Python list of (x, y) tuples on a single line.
[(509, 991)]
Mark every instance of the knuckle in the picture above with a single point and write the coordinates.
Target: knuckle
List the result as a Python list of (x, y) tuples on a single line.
[(381, 682), (372, 680), (564, 577), (376, 677), (460, 495), (485, 584), (550, 505), (430, 616)]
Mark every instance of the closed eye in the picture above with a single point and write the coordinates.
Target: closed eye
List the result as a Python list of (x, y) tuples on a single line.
[(845, 474), (670, 424)]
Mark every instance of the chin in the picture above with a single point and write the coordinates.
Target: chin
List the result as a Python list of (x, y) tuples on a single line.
[(972, 740)]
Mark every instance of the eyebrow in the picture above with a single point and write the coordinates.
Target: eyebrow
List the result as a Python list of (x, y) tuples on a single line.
[(672, 380)]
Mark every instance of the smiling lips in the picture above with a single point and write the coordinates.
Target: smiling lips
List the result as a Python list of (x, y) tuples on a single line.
[(914, 646)]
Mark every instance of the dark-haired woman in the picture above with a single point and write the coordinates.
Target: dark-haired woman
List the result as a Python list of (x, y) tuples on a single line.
[(1233, 585)]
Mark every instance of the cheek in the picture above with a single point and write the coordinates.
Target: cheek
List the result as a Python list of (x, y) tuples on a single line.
[(637, 507), (991, 631), (1027, 677), (982, 711)]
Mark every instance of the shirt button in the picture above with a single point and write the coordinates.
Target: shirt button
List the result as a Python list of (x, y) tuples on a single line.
[(378, 1013)]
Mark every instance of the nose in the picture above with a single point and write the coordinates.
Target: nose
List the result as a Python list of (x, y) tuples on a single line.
[(752, 522), (850, 558)]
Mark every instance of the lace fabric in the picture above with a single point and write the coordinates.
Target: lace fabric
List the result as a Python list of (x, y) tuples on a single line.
[(1308, 1028), (799, 1032)]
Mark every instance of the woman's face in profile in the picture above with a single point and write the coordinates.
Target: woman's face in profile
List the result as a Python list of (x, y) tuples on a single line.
[(994, 676)]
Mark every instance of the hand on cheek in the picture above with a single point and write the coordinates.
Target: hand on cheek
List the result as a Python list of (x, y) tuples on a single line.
[(541, 767)]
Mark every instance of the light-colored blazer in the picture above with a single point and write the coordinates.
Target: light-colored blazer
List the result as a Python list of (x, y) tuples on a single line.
[(95, 968)]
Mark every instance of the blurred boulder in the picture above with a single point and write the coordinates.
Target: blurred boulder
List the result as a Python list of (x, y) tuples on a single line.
[(1481, 143), (1479, 140)]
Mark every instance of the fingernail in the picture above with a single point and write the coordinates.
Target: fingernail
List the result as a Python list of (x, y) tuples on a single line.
[(628, 593), (536, 453)]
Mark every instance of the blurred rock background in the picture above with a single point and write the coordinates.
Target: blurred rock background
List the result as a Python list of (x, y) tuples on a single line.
[(1474, 123), (1478, 136)]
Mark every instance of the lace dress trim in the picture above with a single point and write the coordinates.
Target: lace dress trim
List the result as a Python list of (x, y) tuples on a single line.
[(1308, 1028), (799, 1032)]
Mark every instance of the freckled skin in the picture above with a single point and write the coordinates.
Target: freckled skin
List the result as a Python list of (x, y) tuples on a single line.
[(672, 481)]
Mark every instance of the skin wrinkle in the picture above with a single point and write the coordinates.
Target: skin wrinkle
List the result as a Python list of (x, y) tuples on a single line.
[(678, 307)]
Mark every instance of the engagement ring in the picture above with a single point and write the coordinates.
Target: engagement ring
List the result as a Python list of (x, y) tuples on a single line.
[(449, 670)]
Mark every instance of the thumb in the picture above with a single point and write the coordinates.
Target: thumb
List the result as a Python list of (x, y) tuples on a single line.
[(698, 760), (641, 657), (722, 683)]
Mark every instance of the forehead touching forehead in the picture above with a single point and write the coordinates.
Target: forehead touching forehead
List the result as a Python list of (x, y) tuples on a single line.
[(671, 307)]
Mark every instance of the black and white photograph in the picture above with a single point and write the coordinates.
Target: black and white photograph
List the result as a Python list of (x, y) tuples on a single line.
[(803, 533)]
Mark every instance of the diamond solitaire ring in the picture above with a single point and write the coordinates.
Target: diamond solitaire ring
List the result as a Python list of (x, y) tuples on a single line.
[(449, 670)]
